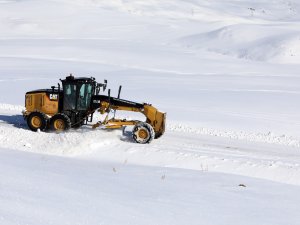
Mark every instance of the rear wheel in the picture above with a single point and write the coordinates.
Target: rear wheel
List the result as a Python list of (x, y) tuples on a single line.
[(143, 133), (60, 122), (37, 121)]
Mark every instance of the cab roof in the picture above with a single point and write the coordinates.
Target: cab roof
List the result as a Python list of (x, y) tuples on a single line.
[(78, 79)]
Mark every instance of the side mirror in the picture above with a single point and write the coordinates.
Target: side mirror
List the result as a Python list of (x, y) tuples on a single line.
[(99, 85)]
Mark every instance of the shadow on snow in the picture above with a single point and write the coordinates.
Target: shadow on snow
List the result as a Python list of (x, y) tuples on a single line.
[(15, 120)]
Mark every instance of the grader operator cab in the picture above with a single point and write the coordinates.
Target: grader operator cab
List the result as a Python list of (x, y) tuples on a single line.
[(73, 105)]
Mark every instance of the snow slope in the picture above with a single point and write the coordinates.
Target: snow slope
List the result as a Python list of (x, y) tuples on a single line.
[(226, 73), (54, 190)]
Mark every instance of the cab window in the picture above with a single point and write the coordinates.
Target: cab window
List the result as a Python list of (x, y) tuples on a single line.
[(69, 97), (85, 96)]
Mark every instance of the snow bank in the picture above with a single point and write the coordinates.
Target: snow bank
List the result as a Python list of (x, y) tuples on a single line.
[(251, 42), (269, 137), (10, 107), (207, 10)]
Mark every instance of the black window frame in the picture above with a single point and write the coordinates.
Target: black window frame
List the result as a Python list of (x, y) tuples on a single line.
[(78, 85)]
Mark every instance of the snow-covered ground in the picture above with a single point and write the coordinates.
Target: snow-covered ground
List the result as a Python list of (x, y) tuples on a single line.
[(226, 73)]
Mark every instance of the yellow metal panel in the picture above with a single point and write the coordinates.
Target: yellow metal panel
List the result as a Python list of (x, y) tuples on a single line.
[(40, 102), (48, 106)]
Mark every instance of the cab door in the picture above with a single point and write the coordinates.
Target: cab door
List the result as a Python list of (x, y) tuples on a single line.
[(84, 97), (70, 96)]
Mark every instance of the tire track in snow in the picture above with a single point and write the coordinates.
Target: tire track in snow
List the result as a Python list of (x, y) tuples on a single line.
[(217, 154)]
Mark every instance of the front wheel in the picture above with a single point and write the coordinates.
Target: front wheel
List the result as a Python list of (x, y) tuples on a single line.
[(143, 133), (60, 122)]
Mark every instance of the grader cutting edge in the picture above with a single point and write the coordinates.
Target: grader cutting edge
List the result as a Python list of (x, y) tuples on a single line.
[(73, 105)]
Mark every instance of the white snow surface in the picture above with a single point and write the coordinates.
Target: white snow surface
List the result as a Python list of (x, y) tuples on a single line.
[(226, 73)]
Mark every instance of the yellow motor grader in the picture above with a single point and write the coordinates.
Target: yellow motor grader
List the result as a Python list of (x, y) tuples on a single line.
[(73, 105)]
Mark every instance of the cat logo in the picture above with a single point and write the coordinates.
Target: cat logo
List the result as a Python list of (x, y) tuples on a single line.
[(53, 96)]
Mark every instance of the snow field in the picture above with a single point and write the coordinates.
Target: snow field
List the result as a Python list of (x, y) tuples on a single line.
[(226, 73), (53, 190)]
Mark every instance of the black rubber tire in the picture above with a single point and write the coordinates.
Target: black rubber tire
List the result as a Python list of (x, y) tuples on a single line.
[(60, 122), (147, 132), (37, 121)]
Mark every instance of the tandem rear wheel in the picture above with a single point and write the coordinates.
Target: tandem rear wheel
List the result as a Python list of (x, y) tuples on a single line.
[(60, 122), (37, 121)]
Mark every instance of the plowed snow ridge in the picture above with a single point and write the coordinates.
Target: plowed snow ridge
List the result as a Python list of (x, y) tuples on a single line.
[(241, 135), (269, 137)]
